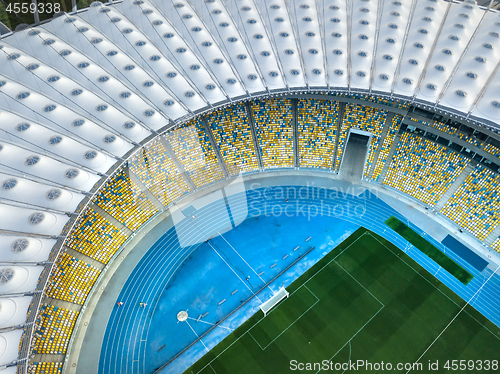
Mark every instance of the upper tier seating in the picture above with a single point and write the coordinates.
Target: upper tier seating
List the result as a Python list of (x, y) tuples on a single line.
[(423, 169), (231, 130), (471, 139), (123, 200), (475, 206), (317, 122), (193, 149), (387, 145), (273, 120)]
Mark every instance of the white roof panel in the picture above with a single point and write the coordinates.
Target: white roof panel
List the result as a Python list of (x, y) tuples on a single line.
[(450, 48), (41, 139), (24, 190), (282, 35), (363, 28), (225, 29), (424, 29), (9, 344), (29, 220), (476, 66), (25, 249), (390, 40), (32, 163), (337, 47), (488, 105), (24, 279), (41, 106), (13, 311), (304, 16), (248, 21)]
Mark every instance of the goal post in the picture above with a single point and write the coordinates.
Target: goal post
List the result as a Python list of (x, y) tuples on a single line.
[(274, 300)]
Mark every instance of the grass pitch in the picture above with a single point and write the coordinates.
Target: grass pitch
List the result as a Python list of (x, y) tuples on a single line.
[(365, 300), (430, 250)]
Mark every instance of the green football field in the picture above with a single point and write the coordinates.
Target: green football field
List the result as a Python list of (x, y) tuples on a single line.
[(365, 302)]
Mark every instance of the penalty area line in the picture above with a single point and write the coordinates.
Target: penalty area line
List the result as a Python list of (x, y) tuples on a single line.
[(324, 266), (352, 337), (209, 323), (290, 325), (456, 316), (434, 286)]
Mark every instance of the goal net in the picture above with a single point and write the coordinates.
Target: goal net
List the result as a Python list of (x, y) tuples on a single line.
[(275, 299)]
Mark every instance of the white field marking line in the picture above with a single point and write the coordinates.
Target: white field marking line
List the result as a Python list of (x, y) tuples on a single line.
[(311, 292), (290, 325), (209, 323), (272, 310), (255, 340), (204, 233), (213, 369), (138, 282), (172, 273), (332, 260), (234, 249), (222, 258), (340, 266), (356, 333), (441, 292), (230, 345), (174, 258), (350, 354), (187, 223), (454, 318), (197, 336)]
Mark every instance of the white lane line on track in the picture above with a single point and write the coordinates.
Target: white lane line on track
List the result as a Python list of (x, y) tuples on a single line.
[(357, 221)]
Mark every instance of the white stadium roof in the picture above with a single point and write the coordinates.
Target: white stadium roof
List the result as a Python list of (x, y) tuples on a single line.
[(80, 92), (9, 344), (13, 311)]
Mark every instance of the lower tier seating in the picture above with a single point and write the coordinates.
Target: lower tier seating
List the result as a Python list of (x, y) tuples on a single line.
[(71, 279), (45, 368), (496, 244), (53, 329), (95, 237)]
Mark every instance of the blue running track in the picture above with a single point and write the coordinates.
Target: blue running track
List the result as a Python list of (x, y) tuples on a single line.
[(196, 278)]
